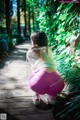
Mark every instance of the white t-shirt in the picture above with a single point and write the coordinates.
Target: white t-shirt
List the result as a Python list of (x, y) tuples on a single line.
[(42, 60)]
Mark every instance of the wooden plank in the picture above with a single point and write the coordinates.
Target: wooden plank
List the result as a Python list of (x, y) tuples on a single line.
[(17, 99), (27, 111), (36, 117), (23, 117)]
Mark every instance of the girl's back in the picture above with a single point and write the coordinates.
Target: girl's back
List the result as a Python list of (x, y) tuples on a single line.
[(40, 57)]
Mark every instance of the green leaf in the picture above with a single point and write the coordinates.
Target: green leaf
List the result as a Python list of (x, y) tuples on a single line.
[(63, 16), (78, 64), (59, 26), (78, 46), (72, 19), (62, 47), (58, 37), (60, 7), (68, 7), (60, 30), (54, 25), (66, 51), (69, 17), (67, 60), (60, 56)]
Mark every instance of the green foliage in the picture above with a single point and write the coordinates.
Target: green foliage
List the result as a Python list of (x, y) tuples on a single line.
[(9, 43), (71, 109), (32, 3), (29, 3), (5, 36), (61, 25), (3, 45), (70, 75), (17, 39)]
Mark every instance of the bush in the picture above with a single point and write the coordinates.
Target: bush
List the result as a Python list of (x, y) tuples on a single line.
[(19, 38), (71, 75), (8, 41), (69, 108), (3, 45)]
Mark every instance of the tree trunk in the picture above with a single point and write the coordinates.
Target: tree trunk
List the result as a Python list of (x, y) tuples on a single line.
[(25, 27), (29, 27), (8, 21), (33, 21), (18, 16)]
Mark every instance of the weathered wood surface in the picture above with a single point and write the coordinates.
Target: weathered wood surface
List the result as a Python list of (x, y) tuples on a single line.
[(15, 94)]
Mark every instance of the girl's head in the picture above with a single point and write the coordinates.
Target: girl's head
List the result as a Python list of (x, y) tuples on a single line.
[(39, 39)]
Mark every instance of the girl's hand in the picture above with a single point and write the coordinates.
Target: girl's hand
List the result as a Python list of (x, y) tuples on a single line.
[(37, 51)]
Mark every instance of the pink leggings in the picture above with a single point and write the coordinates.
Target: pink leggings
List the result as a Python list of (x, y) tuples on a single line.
[(43, 82)]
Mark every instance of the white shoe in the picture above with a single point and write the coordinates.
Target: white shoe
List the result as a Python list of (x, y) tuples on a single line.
[(36, 100), (51, 100)]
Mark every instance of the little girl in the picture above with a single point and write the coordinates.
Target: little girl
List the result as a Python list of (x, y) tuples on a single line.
[(44, 79)]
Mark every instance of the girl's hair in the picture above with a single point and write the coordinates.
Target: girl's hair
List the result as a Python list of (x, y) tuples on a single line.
[(33, 37), (39, 38)]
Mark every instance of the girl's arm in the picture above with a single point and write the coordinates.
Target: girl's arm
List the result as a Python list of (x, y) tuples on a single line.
[(37, 51)]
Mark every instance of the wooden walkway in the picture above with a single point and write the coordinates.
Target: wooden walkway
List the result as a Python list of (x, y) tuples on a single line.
[(15, 94)]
